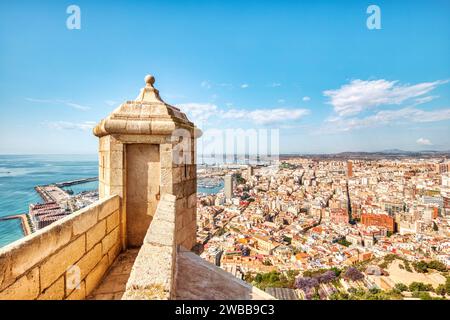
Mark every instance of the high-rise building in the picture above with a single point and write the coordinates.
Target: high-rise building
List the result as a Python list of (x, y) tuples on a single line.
[(249, 172), (228, 187), (349, 168), (379, 220), (442, 167)]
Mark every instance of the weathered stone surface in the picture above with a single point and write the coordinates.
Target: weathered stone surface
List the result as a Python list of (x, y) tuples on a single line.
[(79, 293), (96, 275), (89, 261), (52, 250), (115, 190), (166, 176), (110, 240), (154, 292), (202, 280), (113, 285), (167, 160), (20, 256), (112, 221), (108, 206), (178, 190), (192, 201), (58, 263), (54, 292), (113, 253), (152, 271), (101, 188), (161, 233), (115, 160), (95, 234), (190, 187), (115, 177), (84, 219), (148, 114), (25, 288), (147, 139)]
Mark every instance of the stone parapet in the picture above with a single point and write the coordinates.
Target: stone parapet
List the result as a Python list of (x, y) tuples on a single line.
[(154, 270), (202, 280), (65, 260)]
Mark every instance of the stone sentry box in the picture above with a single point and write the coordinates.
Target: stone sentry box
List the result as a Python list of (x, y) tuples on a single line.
[(146, 149)]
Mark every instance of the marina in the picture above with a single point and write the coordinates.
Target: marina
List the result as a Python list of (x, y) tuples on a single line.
[(58, 202)]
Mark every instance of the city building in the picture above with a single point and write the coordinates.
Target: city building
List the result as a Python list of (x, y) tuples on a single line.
[(228, 186), (379, 220), (349, 168)]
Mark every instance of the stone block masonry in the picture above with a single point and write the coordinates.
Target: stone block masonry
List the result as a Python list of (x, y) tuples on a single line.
[(65, 260), (153, 272)]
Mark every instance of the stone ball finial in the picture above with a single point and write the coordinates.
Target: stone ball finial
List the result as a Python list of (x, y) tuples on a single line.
[(149, 80)]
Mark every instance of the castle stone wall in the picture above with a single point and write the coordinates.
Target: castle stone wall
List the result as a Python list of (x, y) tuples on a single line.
[(65, 260), (153, 275)]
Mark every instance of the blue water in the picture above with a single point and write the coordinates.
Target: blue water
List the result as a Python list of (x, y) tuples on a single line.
[(20, 174), (214, 190)]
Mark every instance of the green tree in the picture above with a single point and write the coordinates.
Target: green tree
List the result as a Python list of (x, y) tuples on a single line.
[(401, 287), (441, 289), (421, 266), (437, 265), (420, 286), (344, 242)]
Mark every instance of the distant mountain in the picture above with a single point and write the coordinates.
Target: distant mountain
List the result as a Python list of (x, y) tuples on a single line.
[(388, 153), (393, 151)]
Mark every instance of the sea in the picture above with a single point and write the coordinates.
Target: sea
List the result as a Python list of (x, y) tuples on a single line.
[(19, 174)]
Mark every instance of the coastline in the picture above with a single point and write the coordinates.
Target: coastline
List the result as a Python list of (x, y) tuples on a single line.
[(26, 227)]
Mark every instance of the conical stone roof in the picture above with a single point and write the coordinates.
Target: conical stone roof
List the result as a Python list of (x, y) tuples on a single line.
[(147, 115)]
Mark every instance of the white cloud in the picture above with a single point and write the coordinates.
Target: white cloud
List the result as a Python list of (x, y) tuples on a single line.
[(281, 101), (244, 86), (77, 106), (198, 111), (385, 117), (266, 116), (424, 99), (275, 85), (306, 98), (424, 142), (359, 95), (57, 101), (65, 125)]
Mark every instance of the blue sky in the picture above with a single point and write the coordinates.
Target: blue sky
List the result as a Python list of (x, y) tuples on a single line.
[(312, 69)]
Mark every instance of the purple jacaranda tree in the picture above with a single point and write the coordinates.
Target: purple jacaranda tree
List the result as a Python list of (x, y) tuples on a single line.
[(326, 277), (353, 274), (306, 283)]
